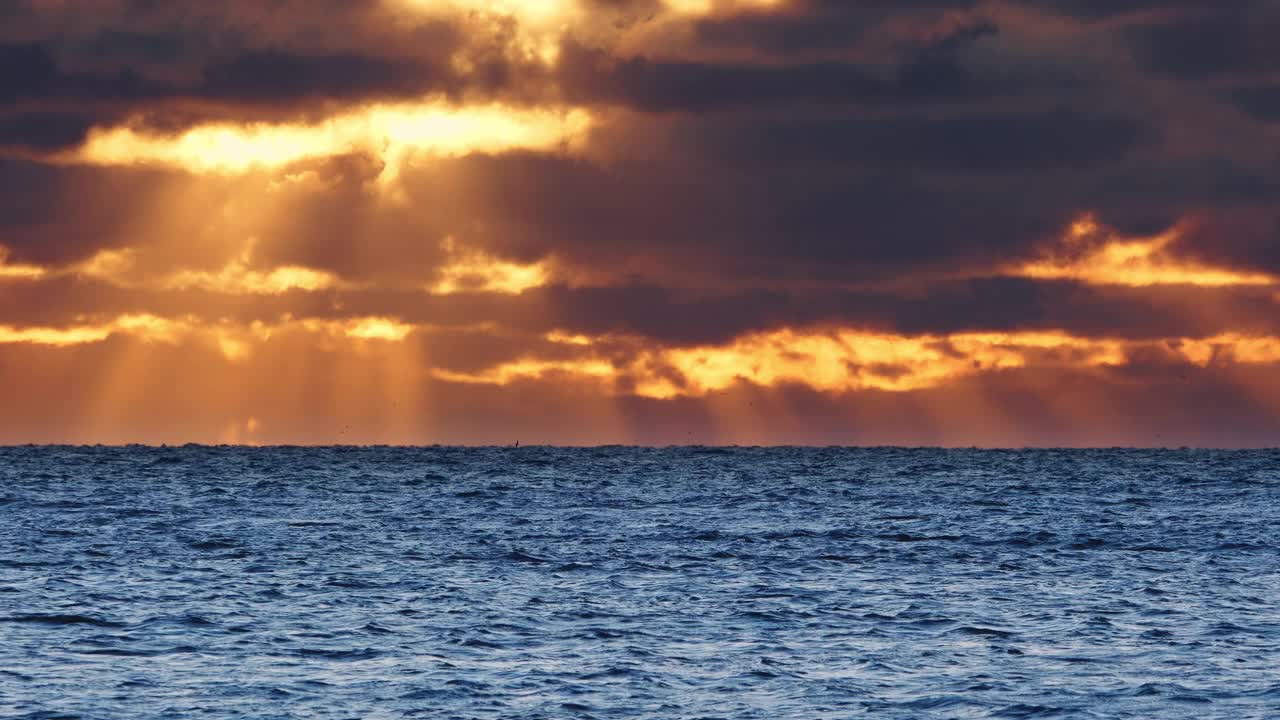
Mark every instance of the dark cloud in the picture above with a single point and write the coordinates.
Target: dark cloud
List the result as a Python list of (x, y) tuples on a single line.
[(1230, 37), (1247, 238), (184, 63), (1260, 101), (1058, 139), (114, 45), (45, 131), (26, 71), (816, 26), (594, 76), (276, 76), (62, 214), (936, 70), (282, 79), (31, 72), (1107, 9)]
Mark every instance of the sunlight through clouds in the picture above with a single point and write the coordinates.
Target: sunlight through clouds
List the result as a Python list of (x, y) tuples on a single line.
[(388, 213), (1093, 254), (387, 131), (470, 270), (10, 271)]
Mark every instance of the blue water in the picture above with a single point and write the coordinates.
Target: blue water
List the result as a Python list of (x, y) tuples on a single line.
[(617, 582)]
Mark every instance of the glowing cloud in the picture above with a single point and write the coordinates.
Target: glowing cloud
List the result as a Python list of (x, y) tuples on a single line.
[(110, 265), (54, 336), (845, 360), (118, 267), (376, 328), (1091, 254), (1229, 348), (534, 11), (21, 272), (833, 360), (476, 271), (235, 278), (391, 132), (507, 373), (146, 327), (706, 7), (18, 272), (234, 341), (841, 360)]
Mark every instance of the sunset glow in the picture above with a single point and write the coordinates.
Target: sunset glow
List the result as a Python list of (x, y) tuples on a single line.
[(1091, 254), (474, 271), (389, 132), (674, 221), (18, 272), (832, 360)]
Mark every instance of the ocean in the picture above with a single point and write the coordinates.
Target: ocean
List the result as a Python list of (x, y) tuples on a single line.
[(638, 583)]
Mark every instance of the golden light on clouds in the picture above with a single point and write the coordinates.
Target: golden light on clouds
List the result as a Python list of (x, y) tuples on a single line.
[(235, 278), (54, 336), (530, 369), (463, 270), (471, 270), (1229, 348), (522, 208), (143, 326), (527, 11), (846, 360), (567, 339), (21, 272), (18, 271), (833, 360), (842, 361), (377, 328), (234, 341), (706, 7), (1089, 253), (556, 14), (391, 132), (110, 265)]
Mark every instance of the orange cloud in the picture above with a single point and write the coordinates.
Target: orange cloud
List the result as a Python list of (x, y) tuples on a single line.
[(18, 272), (146, 327), (832, 360), (234, 341), (477, 271), (507, 373), (119, 267), (841, 361), (1090, 253), (706, 7), (391, 132), (376, 328), (847, 360)]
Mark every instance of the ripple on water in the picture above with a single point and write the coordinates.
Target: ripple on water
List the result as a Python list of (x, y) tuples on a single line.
[(622, 582)]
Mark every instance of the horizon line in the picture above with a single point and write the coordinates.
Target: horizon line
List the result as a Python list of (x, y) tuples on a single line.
[(634, 446)]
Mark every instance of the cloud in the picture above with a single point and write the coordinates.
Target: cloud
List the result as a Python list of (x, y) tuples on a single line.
[(806, 220), (146, 398), (1217, 39), (45, 132), (1260, 101)]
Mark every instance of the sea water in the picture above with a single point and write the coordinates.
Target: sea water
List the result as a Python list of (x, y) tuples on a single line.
[(638, 583)]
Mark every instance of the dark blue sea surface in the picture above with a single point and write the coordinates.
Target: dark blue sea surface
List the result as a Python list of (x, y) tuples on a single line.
[(638, 583)]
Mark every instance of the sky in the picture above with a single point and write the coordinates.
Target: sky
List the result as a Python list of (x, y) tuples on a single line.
[(854, 222)]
